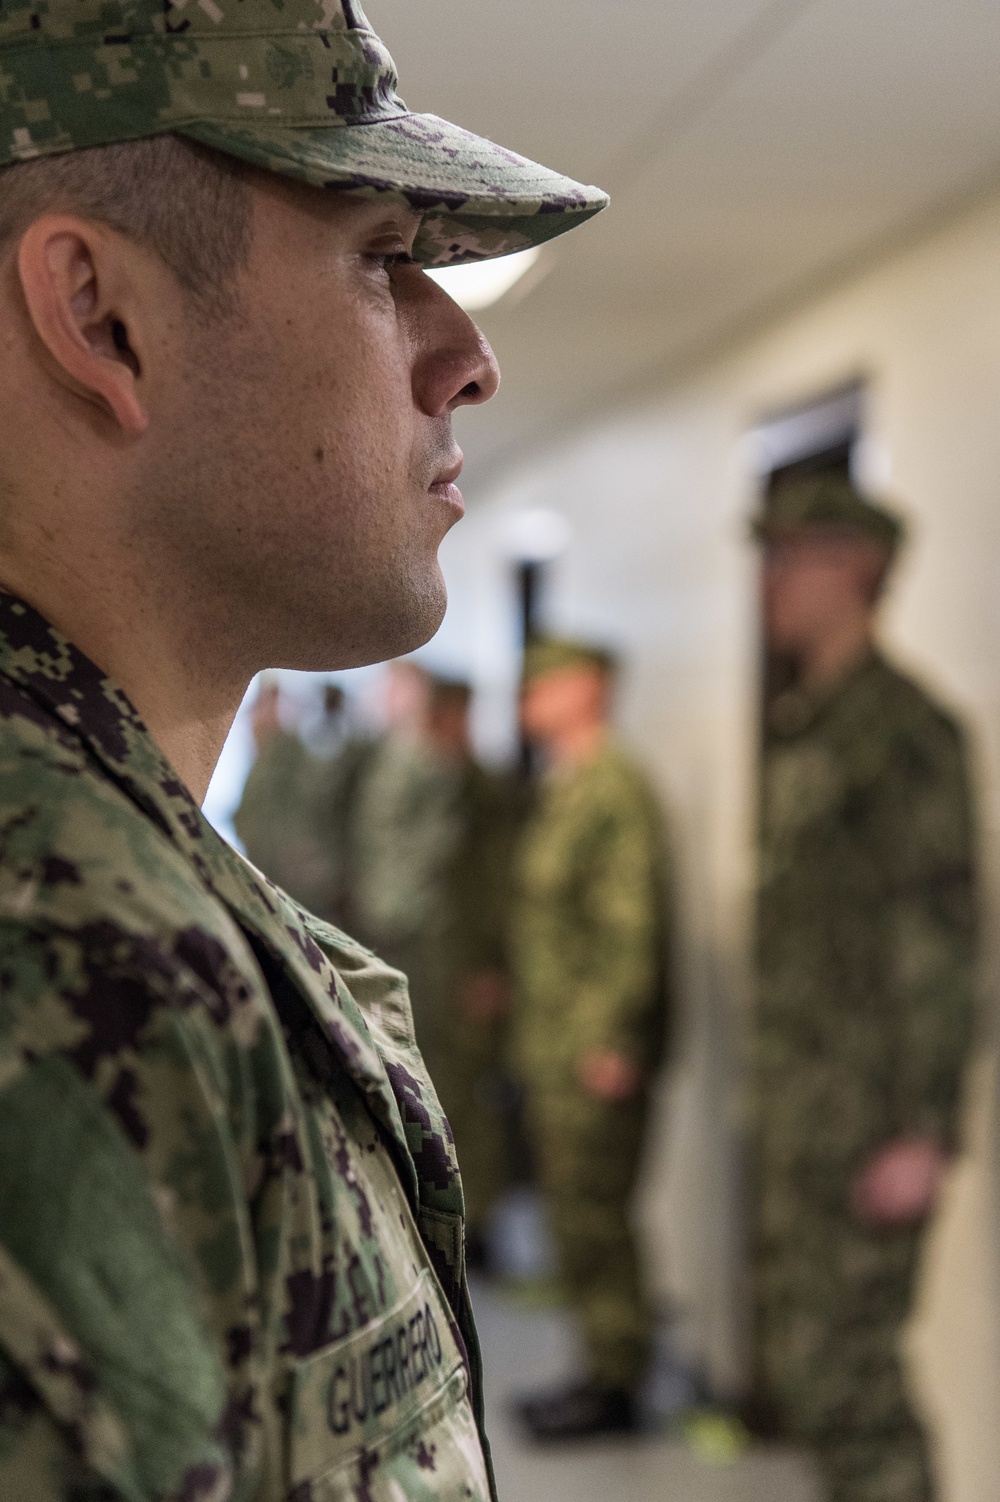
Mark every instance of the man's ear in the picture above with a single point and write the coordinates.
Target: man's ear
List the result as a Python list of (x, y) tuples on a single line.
[(76, 288)]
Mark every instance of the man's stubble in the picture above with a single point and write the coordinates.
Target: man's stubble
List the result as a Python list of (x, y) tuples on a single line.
[(276, 539)]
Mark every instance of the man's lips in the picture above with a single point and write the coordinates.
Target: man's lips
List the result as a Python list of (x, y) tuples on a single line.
[(443, 487)]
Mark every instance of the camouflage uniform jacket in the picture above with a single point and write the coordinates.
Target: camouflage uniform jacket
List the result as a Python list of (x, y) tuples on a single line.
[(477, 888), (231, 1260), (276, 822), (406, 822), (465, 931), (588, 946), (866, 926)]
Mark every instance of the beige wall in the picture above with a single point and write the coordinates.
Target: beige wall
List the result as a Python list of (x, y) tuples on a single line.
[(659, 564)]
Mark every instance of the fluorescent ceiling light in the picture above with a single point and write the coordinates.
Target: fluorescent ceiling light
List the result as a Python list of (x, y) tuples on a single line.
[(482, 283)]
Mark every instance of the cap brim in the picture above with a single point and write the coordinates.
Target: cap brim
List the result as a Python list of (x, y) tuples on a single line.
[(477, 199), (838, 529)]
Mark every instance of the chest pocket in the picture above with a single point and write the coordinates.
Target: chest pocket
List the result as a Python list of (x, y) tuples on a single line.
[(385, 1415)]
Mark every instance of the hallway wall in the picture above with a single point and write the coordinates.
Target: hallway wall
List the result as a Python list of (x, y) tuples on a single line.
[(659, 565)]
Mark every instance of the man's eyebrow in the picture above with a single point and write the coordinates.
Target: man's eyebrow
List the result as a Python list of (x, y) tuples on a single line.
[(386, 216), (396, 220)]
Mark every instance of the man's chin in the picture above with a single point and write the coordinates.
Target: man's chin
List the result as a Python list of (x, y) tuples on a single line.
[(410, 616)]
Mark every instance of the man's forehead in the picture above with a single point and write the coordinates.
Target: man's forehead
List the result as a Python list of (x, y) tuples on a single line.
[(570, 672), (352, 212), (374, 215), (820, 541)]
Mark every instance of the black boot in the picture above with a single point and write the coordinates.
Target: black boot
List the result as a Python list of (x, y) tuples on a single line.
[(579, 1410)]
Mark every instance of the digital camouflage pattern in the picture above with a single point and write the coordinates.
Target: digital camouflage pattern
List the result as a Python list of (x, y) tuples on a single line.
[(331, 801), (866, 956), (278, 822), (465, 1049), (587, 1155), (405, 821), (588, 952), (429, 855), (300, 87), (589, 919), (231, 1257)]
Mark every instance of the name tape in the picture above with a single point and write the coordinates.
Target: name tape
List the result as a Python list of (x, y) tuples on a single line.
[(369, 1381)]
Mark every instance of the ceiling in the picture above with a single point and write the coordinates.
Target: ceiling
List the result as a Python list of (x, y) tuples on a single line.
[(751, 148)]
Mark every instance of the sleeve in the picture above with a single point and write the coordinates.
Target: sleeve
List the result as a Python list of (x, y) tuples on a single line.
[(126, 1260), (58, 1440), (933, 928), (36, 1461), (619, 1001)]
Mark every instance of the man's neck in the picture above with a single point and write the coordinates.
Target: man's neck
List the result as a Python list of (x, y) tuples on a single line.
[(118, 628), (579, 744), (839, 652)]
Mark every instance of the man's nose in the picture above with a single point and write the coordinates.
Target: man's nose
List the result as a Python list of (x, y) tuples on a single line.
[(484, 372), (458, 368)]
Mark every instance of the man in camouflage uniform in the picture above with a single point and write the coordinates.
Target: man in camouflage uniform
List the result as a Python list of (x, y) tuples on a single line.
[(278, 815), (865, 954), (338, 754), (429, 845), (230, 1215), (400, 827), (589, 959), (466, 1010)]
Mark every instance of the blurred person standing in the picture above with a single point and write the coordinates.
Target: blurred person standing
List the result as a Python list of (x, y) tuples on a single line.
[(276, 820), (429, 851), (463, 1019), (401, 827), (340, 751), (589, 955), (865, 957)]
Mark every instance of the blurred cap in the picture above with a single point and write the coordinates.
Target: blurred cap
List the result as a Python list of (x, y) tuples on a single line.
[(828, 503), (549, 654), (303, 88)]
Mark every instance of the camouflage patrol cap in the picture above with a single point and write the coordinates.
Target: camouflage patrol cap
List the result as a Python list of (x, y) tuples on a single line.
[(303, 88), (828, 503), (549, 654)]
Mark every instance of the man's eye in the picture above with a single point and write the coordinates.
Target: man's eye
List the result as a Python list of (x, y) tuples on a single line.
[(389, 260)]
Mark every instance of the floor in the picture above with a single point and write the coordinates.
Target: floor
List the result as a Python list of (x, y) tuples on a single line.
[(525, 1348)]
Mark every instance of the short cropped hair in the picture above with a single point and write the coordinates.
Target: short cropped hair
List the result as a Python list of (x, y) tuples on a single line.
[(188, 203)]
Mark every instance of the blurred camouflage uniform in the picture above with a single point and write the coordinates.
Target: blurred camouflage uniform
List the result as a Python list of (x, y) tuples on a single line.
[(588, 952), (404, 825), (335, 784), (865, 953), (465, 1052), (431, 853), (277, 822)]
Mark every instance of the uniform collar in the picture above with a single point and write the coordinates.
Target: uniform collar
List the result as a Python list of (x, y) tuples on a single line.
[(796, 710), (558, 773), (57, 675)]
